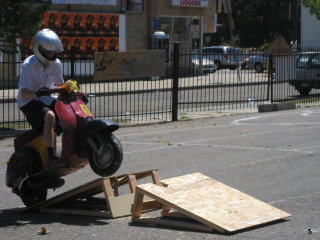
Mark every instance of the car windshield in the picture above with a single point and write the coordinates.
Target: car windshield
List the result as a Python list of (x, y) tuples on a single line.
[(315, 61), (302, 61), (312, 61), (233, 50)]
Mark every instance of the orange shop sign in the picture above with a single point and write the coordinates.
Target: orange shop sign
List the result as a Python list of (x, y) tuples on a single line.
[(190, 3)]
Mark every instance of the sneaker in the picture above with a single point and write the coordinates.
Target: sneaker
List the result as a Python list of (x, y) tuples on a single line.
[(54, 161)]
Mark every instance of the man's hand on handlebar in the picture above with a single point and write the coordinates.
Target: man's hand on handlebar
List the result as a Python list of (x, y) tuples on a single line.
[(44, 91)]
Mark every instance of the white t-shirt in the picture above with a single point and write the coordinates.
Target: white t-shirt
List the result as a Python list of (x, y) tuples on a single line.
[(35, 76)]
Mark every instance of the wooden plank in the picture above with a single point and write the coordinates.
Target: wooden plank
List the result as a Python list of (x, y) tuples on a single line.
[(92, 213), (132, 183), (150, 204), (212, 203), (107, 188), (173, 223), (156, 178), (69, 194), (137, 205), (121, 205)]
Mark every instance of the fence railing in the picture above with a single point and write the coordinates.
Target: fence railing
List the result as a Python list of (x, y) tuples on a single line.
[(193, 84)]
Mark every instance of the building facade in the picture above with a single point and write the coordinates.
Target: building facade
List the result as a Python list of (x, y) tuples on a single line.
[(128, 25)]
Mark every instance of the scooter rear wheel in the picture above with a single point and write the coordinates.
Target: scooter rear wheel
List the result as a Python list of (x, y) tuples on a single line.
[(105, 155), (22, 164), (31, 196)]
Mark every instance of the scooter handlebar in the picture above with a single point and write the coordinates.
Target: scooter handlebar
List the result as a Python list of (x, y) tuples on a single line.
[(44, 91), (69, 87)]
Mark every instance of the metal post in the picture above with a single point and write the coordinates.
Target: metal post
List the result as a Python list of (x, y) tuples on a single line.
[(294, 21), (175, 81), (72, 62), (270, 78), (201, 44)]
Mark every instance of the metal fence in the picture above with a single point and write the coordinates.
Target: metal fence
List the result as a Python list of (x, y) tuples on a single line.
[(190, 86)]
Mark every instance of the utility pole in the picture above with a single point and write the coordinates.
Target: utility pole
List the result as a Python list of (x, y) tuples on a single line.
[(227, 8), (294, 21)]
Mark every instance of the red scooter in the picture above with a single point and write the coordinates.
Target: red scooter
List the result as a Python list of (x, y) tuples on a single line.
[(84, 140)]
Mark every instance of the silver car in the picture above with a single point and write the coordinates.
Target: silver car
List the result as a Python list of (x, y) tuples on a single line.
[(258, 62), (307, 73), (223, 56), (203, 62)]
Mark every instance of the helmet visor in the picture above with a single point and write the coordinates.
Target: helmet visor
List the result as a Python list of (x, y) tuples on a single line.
[(48, 54)]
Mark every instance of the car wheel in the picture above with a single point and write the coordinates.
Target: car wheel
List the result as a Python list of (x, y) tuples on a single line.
[(258, 67), (233, 68), (304, 91), (218, 63)]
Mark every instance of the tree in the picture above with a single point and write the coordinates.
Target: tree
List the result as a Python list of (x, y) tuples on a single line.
[(314, 6), (19, 18), (259, 22)]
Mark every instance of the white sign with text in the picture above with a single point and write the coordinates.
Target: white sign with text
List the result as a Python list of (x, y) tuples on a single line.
[(190, 3)]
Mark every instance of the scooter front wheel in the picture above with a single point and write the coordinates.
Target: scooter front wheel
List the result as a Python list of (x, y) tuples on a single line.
[(105, 155)]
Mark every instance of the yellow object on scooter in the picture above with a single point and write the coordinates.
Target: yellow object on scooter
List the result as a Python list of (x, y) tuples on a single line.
[(71, 86)]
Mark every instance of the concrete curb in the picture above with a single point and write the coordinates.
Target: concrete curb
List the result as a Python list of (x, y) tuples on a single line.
[(276, 107)]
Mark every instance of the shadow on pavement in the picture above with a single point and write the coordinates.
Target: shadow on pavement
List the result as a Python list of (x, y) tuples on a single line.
[(16, 217)]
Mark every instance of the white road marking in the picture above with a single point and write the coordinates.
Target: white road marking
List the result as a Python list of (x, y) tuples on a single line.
[(306, 196), (307, 113)]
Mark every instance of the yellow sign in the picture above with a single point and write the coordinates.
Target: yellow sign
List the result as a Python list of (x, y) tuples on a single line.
[(86, 110)]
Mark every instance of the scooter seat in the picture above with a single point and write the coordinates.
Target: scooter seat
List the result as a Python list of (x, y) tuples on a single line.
[(24, 138)]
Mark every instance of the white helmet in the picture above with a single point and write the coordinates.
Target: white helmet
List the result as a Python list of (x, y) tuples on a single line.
[(46, 41)]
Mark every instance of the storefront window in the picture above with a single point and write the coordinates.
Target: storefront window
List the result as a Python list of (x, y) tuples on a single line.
[(179, 30)]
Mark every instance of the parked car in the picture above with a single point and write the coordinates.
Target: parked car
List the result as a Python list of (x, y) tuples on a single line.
[(223, 56), (307, 72), (207, 64), (258, 62)]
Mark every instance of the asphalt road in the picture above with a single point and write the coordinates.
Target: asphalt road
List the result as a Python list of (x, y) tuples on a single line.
[(273, 157)]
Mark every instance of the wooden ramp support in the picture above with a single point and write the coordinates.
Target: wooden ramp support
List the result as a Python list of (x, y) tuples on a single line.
[(212, 204), (83, 200)]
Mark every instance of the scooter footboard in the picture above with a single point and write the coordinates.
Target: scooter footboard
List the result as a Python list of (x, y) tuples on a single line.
[(95, 126)]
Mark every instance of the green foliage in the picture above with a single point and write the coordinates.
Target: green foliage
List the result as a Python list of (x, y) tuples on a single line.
[(264, 46), (314, 6), (19, 18), (258, 22)]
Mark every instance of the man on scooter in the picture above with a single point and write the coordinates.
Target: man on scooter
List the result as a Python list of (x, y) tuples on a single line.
[(39, 71)]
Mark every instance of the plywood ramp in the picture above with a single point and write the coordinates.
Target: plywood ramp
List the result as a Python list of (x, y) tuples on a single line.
[(212, 203), (83, 200)]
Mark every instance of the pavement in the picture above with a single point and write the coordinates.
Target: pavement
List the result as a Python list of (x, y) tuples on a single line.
[(272, 156)]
